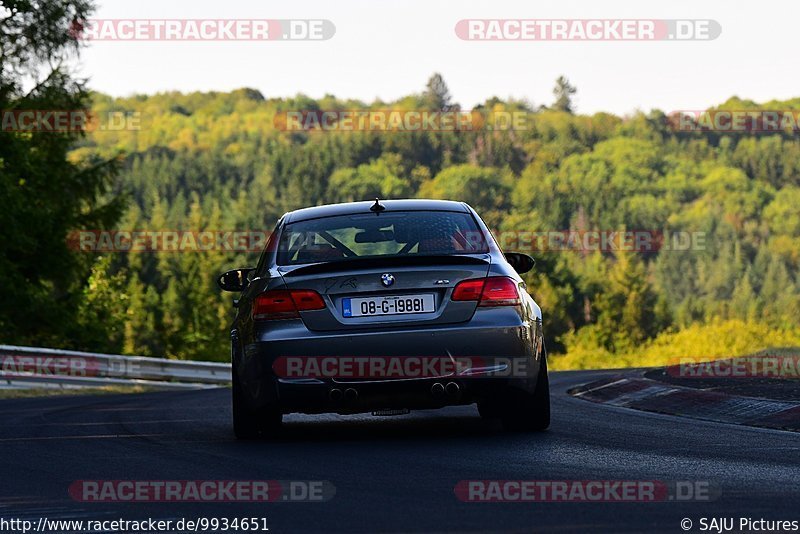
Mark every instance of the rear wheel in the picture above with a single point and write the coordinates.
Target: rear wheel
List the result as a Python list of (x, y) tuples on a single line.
[(528, 412), (249, 423)]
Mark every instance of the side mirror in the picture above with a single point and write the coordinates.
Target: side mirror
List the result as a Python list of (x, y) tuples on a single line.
[(235, 280), (522, 263)]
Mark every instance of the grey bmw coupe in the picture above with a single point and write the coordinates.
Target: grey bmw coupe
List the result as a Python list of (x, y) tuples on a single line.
[(385, 307)]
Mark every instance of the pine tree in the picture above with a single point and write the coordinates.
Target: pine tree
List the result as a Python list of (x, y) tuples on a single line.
[(437, 96), (563, 91)]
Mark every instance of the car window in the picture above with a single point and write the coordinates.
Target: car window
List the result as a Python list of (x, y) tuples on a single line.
[(268, 250), (386, 234)]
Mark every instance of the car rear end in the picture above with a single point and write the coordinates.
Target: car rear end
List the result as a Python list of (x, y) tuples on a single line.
[(389, 310)]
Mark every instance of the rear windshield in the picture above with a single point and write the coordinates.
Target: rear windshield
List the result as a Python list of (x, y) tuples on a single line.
[(402, 233)]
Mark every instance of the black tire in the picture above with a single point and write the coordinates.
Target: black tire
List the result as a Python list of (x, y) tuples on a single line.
[(248, 423), (529, 412)]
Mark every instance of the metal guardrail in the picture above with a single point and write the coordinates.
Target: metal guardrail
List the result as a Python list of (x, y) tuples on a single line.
[(33, 367)]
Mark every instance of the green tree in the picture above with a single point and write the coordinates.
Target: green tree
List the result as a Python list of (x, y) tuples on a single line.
[(437, 95), (563, 91), (626, 308), (102, 313), (487, 189), (218, 161), (382, 178), (44, 194)]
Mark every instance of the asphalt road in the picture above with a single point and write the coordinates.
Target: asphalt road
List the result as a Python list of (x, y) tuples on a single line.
[(391, 473)]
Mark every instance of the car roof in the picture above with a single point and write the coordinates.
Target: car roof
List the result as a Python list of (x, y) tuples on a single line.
[(352, 208)]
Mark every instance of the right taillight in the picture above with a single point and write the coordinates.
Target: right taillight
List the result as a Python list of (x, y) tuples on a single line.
[(285, 304), (492, 291)]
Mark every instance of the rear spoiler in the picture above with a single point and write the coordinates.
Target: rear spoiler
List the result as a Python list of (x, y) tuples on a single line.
[(387, 263)]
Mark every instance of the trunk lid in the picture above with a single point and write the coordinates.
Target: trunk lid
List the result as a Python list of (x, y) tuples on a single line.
[(418, 294)]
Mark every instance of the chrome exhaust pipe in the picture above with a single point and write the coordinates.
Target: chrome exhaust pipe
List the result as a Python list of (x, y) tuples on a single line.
[(335, 394), (437, 389), (350, 395), (453, 390)]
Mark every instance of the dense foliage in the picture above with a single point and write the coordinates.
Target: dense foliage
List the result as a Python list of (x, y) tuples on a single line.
[(43, 195), (217, 161)]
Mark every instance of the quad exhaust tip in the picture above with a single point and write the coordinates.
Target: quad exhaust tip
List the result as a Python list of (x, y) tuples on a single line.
[(335, 394), (437, 389), (350, 395)]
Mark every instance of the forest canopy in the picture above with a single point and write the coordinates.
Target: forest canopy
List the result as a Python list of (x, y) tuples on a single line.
[(224, 162)]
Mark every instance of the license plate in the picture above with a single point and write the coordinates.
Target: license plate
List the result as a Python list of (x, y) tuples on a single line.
[(396, 305)]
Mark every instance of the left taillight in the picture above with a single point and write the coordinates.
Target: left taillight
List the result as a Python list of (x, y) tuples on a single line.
[(285, 303)]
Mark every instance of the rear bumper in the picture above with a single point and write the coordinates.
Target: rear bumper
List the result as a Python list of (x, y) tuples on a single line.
[(507, 348), (368, 396)]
